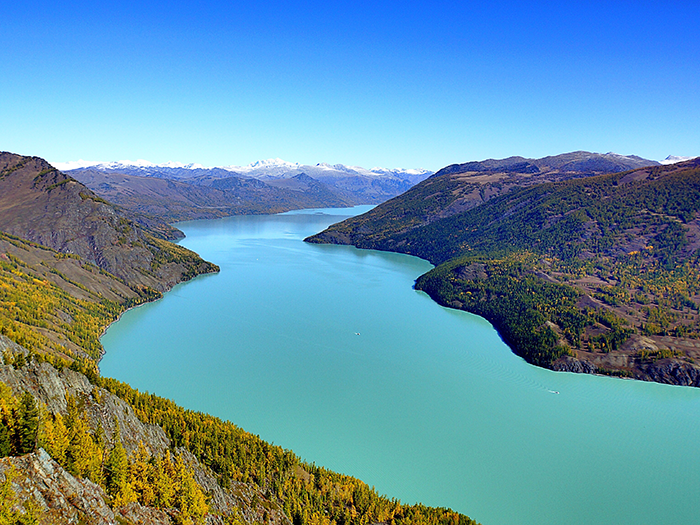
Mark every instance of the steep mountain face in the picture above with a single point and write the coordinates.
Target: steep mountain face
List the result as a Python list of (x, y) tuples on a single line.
[(58, 304), (460, 187), (43, 205), (594, 274)]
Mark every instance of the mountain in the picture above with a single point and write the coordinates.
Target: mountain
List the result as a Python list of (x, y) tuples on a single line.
[(43, 205), (460, 187), (673, 159), (202, 197), (589, 274), (342, 185), (71, 478)]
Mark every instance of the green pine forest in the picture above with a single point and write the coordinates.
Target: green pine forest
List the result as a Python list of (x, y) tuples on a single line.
[(578, 269)]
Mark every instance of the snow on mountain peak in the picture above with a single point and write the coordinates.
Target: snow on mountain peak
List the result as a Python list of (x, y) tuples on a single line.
[(74, 164), (122, 164), (673, 159), (266, 168), (272, 162)]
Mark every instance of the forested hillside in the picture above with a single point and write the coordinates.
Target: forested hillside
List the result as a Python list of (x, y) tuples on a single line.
[(597, 274), (461, 187), (76, 447)]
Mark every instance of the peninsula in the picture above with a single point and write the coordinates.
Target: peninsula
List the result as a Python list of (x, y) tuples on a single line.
[(583, 262)]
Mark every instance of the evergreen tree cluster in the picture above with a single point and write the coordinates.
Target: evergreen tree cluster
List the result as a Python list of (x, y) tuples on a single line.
[(309, 494), (19, 423), (160, 481)]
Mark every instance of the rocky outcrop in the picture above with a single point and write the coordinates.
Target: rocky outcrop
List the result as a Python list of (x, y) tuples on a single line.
[(672, 372), (58, 496), (571, 364), (51, 388)]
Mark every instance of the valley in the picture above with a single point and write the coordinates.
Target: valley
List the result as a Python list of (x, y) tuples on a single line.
[(579, 269)]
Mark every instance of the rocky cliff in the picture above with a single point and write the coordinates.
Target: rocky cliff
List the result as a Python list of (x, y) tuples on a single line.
[(61, 497)]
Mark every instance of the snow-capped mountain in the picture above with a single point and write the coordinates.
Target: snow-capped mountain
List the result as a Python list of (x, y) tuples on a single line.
[(351, 183), (261, 169), (121, 164), (673, 159), (271, 168)]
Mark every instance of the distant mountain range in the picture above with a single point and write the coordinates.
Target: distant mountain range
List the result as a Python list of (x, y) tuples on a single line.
[(175, 192), (43, 205), (262, 169)]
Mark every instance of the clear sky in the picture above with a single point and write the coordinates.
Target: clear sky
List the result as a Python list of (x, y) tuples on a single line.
[(385, 83)]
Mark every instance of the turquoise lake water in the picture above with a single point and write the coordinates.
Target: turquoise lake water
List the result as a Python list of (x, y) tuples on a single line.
[(328, 351)]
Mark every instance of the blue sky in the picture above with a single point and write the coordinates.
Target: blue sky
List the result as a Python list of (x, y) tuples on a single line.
[(392, 84)]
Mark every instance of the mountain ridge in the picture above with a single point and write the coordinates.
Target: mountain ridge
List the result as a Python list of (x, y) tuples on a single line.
[(459, 187), (576, 274), (43, 205), (345, 185), (259, 167)]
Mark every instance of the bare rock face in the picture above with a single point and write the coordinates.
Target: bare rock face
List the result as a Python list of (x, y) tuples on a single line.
[(51, 387), (60, 497), (571, 364), (673, 372), (137, 513)]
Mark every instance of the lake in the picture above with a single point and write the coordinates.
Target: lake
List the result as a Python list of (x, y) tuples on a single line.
[(330, 352)]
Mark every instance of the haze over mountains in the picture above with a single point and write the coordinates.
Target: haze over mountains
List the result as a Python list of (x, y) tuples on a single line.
[(175, 192)]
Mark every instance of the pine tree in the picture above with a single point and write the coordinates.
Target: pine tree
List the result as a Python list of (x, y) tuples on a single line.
[(5, 442), (27, 425), (55, 437), (117, 466)]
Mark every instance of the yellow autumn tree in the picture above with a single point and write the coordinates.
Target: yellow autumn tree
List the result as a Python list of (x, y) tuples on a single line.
[(54, 437)]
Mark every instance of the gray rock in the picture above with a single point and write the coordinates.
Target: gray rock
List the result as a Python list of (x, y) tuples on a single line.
[(673, 372), (51, 387), (64, 498), (571, 364)]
